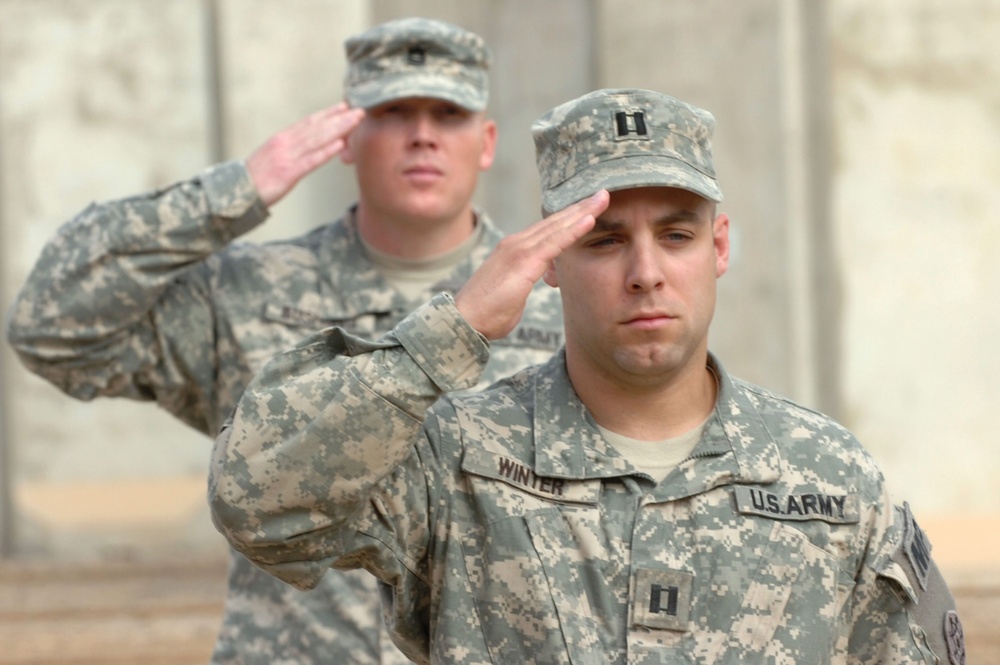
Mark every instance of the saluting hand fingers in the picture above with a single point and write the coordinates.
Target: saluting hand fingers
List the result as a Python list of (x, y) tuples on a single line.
[(493, 299), (545, 240), (299, 149)]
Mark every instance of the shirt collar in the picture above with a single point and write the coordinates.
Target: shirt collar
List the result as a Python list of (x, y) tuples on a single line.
[(735, 446), (353, 283)]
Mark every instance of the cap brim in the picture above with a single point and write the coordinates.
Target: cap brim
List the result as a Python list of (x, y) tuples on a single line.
[(387, 89), (628, 173)]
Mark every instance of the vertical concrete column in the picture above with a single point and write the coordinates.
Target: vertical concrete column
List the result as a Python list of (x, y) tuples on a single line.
[(7, 535), (543, 55), (917, 109), (279, 62), (749, 64), (6, 442), (101, 99)]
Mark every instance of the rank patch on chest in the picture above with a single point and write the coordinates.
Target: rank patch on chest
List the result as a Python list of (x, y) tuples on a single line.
[(833, 508), (662, 599)]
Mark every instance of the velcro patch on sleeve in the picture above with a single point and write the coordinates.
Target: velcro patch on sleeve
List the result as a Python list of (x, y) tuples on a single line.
[(916, 547), (955, 638)]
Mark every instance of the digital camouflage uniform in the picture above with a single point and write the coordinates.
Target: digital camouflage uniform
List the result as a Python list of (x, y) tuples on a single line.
[(504, 527), (146, 298), (509, 531)]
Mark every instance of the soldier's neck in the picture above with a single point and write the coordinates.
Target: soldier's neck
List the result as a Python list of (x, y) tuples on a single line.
[(415, 237)]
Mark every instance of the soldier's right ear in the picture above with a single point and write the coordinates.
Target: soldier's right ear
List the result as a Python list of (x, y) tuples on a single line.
[(550, 276), (346, 154)]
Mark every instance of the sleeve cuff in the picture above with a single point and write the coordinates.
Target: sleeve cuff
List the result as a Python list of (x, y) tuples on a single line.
[(444, 345), (232, 198)]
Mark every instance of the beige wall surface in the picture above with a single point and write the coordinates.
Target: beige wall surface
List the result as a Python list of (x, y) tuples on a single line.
[(97, 100), (105, 98), (916, 106), (857, 146), (729, 58)]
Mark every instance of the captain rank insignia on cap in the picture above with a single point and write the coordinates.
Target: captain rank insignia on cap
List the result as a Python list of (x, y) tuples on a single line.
[(630, 125), (622, 138), (416, 55)]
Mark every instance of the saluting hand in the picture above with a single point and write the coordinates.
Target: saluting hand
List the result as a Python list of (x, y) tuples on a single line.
[(493, 299), (296, 151)]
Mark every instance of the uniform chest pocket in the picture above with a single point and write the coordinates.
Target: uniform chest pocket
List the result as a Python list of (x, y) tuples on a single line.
[(792, 606), (283, 325), (714, 586), (530, 557), (294, 315), (539, 597)]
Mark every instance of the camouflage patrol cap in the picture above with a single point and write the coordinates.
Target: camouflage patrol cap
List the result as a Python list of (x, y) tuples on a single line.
[(620, 139), (417, 57)]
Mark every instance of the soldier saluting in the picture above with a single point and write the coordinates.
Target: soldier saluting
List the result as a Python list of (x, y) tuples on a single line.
[(659, 545)]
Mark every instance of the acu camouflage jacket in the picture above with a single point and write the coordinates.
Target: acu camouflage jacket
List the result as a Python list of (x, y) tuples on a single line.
[(506, 530), (150, 298)]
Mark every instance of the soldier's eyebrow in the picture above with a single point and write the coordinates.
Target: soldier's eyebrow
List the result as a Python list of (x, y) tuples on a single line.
[(603, 225), (606, 224)]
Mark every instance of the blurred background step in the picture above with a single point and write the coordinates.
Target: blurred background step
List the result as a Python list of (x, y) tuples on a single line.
[(62, 613), (110, 613)]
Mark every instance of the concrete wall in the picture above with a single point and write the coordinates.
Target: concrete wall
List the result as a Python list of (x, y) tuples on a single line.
[(857, 146), (917, 107), (98, 100), (105, 98)]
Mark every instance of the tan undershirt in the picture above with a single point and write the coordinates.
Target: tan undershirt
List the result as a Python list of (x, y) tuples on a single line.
[(413, 277), (657, 458)]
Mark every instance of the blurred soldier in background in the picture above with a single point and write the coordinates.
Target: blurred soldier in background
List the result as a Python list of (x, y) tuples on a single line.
[(149, 298)]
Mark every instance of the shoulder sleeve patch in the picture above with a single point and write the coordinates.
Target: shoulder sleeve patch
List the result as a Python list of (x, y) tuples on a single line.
[(955, 638), (916, 547)]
